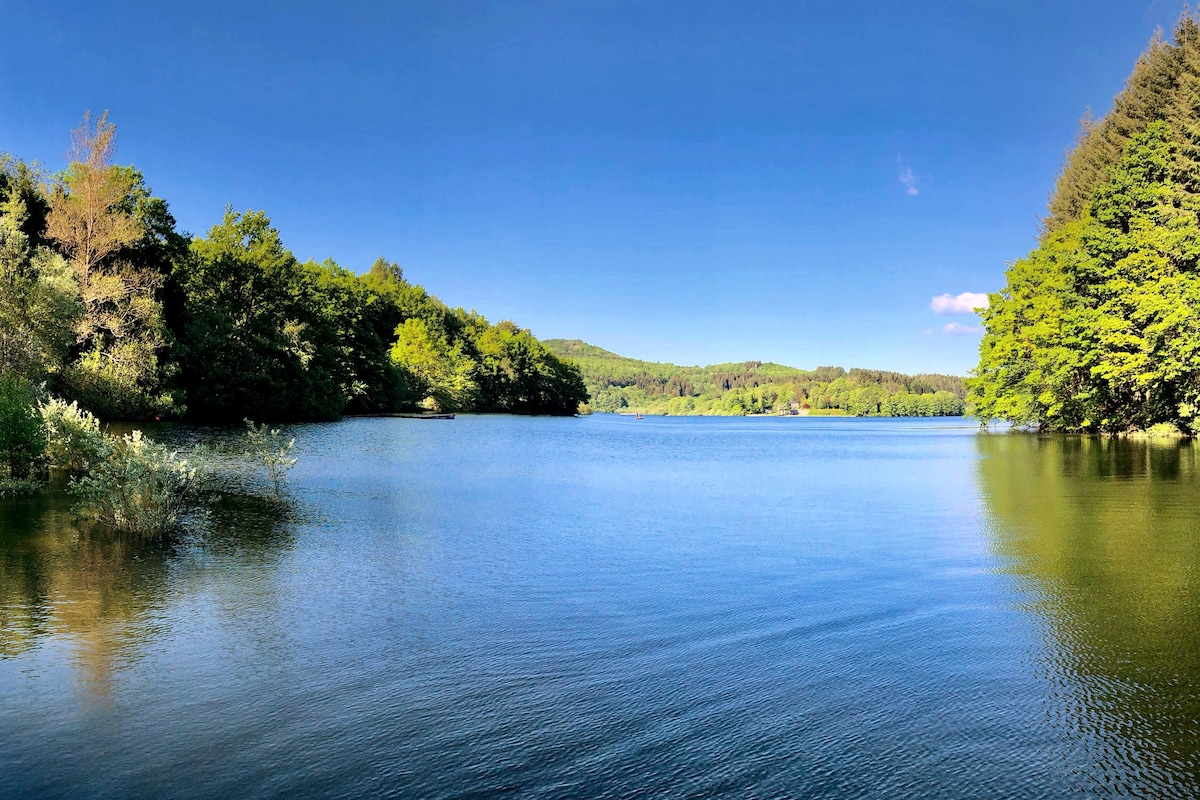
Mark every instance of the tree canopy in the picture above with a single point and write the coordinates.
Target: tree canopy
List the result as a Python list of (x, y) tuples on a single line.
[(1098, 329), (105, 302)]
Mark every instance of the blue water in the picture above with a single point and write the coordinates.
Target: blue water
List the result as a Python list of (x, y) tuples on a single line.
[(607, 607)]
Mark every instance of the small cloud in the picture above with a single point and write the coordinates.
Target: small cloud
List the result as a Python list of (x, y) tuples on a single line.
[(958, 329), (965, 303), (908, 179), (927, 332)]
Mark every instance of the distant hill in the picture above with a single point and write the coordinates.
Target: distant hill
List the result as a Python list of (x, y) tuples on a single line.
[(618, 383)]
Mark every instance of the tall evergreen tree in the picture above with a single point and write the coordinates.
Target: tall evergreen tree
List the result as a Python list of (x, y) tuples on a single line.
[(1148, 96)]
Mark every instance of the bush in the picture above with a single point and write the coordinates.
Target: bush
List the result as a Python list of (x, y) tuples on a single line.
[(74, 440), (266, 446), (11, 486), (138, 486), (115, 390), (22, 437), (1161, 430)]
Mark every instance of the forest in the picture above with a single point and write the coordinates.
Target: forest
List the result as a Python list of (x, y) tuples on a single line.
[(1098, 328), (106, 303), (618, 384)]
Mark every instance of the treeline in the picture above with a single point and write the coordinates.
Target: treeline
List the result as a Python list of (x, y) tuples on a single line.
[(105, 302), (619, 384), (1098, 329)]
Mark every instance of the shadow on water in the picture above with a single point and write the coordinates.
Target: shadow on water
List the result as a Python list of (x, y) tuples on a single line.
[(1104, 538), (105, 595)]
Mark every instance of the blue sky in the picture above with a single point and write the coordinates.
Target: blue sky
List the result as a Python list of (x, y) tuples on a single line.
[(687, 181)]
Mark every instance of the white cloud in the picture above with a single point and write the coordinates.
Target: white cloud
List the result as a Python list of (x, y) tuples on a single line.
[(910, 181), (927, 332), (958, 329), (965, 303)]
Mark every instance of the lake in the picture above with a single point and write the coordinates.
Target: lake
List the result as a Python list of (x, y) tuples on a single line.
[(608, 607)]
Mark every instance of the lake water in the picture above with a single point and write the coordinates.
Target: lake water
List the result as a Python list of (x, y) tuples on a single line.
[(607, 607)]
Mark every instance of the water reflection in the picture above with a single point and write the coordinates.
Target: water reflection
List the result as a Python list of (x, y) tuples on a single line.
[(106, 595), (59, 579), (1105, 536)]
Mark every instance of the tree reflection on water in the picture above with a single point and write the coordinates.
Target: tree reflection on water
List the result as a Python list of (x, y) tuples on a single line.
[(105, 594), (1104, 537)]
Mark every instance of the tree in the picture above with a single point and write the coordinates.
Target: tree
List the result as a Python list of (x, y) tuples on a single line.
[(22, 438), (87, 214), (252, 340), (38, 298), (359, 318), (519, 374), (1148, 96), (1098, 329), (119, 333), (438, 372)]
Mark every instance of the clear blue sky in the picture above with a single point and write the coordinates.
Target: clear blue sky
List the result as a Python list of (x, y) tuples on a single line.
[(685, 181)]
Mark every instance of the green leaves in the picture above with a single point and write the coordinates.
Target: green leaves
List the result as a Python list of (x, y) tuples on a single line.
[(22, 437), (138, 486), (255, 333), (266, 447), (1095, 329), (752, 387)]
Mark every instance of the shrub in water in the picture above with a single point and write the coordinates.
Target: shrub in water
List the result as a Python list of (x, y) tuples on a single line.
[(266, 446), (22, 438), (74, 440), (138, 487)]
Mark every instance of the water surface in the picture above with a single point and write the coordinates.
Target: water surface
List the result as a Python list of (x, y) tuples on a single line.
[(608, 607)]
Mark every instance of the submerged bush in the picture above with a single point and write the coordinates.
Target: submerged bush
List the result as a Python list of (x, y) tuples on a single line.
[(138, 486), (74, 440), (22, 437), (266, 446), (130, 484)]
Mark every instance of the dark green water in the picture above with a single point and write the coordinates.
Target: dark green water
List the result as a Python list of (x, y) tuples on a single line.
[(605, 607)]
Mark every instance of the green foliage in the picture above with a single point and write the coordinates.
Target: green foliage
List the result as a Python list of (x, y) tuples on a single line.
[(261, 333), (134, 485), (22, 437), (1098, 329), (104, 221), (619, 384), (38, 295), (74, 440), (519, 374), (250, 342), (432, 367), (138, 487), (1162, 430), (1147, 96), (361, 320), (107, 303), (116, 384), (265, 446)]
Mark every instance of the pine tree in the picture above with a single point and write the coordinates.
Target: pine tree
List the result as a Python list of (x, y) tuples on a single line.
[(1148, 96)]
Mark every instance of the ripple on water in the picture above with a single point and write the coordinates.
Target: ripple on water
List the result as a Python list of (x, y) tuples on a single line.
[(603, 608)]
